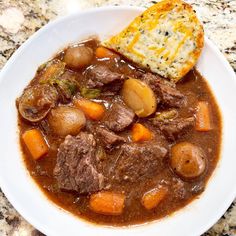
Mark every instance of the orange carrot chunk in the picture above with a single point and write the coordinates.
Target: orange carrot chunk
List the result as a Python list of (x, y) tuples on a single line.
[(203, 117), (92, 110), (140, 133), (107, 203), (102, 52), (153, 197), (35, 143)]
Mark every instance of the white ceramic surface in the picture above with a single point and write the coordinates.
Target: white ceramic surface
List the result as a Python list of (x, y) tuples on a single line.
[(21, 190)]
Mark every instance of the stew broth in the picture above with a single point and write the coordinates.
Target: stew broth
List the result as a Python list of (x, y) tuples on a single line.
[(181, 192)]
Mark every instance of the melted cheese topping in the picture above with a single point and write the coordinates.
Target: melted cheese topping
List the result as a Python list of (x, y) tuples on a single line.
[(167, 38)]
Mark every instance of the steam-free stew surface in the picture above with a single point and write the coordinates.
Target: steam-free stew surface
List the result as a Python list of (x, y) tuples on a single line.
[(179, 187)]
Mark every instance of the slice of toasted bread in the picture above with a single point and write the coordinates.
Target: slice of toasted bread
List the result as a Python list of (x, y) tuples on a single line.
[(167, 38)]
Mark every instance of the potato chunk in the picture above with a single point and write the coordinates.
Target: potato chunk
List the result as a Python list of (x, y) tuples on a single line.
[(139, 97), (187, 160)]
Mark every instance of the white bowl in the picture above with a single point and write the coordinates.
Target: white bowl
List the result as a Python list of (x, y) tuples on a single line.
[(22, 191)]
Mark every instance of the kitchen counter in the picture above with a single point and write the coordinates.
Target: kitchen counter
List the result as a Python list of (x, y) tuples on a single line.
[(21, 18)]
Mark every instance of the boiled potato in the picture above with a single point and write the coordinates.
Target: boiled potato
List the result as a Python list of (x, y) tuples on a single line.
[(78, 57), (187, 160), (139, 97), (66, 120)]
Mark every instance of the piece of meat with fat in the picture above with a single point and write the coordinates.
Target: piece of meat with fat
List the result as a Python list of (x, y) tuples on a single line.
[(136, 162), (174, 129), (100, 75), (166, 92), (178, 188), (118, 117), (75, 168), (109, 138)]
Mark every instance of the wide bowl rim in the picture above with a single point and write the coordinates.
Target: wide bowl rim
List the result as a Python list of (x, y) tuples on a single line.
[(6, 189)]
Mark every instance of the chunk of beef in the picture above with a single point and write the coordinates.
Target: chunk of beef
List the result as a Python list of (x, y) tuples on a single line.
[(178, 188), (75, 168), (118, 117), (197, 188), (174, 129), (139, 161), (109, 138), (165, 90), (98, 76)]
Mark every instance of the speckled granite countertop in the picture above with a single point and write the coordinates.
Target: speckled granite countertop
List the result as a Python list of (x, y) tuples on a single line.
[(21, 18)]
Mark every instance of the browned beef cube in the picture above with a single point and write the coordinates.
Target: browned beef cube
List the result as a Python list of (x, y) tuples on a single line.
[(118, 117), (166, 92), (75, 169), (109, 138), (139, 161), (174, 129), (100, 75)]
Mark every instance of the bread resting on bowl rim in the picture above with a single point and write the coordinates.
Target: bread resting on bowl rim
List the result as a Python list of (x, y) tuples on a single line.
[(167, 38)]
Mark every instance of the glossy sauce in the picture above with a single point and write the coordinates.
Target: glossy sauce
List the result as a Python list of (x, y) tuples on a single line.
[(195, 88)]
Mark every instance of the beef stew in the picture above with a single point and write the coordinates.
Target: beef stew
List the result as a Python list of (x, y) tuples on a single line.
[(115, 144)]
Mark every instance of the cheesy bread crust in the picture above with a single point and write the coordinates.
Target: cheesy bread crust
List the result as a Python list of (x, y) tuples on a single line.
[(167, 38)]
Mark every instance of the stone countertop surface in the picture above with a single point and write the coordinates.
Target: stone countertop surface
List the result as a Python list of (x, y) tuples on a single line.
[(21, 18)]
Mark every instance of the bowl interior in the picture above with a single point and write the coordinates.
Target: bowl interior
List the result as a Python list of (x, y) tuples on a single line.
[(24, 194)]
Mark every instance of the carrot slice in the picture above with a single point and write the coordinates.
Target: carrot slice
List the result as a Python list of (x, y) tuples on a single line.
[(107, 203), (92, 110), (203, 117), (102, 52), (140, 133), (152, 198), (35, 143)]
